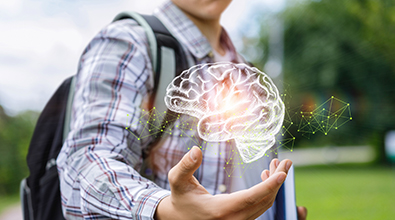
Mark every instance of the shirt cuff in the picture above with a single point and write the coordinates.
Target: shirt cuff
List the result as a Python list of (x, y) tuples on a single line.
[(147, 202)]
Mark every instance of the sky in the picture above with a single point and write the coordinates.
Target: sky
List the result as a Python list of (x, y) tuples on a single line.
[(41, 40)]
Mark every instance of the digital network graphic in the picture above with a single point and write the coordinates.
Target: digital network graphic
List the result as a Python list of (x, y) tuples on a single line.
[(234, 102)]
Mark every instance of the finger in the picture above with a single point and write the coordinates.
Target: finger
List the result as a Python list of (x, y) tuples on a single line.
[(273, 165), (246, 198), (302, 213), (265, 174), (185, 168), (284, 166)]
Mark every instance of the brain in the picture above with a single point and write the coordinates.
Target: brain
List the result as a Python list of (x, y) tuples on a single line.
[(231, 101)]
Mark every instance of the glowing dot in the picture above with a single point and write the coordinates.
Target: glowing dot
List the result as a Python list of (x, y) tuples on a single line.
[(350, 118), (332, 97), (126, 127)]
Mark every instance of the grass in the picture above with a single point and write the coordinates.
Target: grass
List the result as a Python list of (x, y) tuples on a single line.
[(7, 201), (346, 192)]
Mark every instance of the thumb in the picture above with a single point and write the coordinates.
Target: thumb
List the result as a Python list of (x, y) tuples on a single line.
[(186, 167)]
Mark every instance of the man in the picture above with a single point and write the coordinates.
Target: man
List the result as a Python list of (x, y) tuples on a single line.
[(99, 162)]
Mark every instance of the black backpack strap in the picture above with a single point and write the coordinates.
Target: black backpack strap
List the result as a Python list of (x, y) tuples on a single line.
[(167, 55), (171, 59)]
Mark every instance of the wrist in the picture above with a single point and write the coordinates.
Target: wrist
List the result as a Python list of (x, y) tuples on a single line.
[(163, 209)]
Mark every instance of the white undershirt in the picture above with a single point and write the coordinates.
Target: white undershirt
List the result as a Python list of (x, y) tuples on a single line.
[(227, 57)]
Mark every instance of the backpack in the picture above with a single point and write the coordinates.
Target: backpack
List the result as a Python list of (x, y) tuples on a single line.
[(40, 192)]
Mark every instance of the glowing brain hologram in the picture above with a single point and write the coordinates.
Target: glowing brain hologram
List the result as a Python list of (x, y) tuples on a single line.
[(231, 101)]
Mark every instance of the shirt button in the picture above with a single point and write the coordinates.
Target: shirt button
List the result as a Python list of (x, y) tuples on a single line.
[(222, 188), (210, 54)]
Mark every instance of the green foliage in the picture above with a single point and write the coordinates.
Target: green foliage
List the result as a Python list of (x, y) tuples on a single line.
[(345, 49), (15, 135)]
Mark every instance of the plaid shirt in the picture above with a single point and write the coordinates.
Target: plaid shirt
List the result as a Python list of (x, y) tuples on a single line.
[(99, 162)]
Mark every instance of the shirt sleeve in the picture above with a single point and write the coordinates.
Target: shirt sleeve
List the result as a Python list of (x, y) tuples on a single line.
[(99, 162)]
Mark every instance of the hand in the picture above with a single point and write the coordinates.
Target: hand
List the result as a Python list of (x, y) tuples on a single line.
[(190, 200), (302, 213)]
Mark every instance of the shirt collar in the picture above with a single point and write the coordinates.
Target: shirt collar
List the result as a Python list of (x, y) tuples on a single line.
[(186, 31)]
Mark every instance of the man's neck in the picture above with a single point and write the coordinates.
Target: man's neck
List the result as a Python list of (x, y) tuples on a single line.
[(211, 29)]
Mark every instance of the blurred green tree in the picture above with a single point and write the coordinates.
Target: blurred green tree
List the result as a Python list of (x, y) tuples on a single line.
[(345, 49), (15, 135)]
